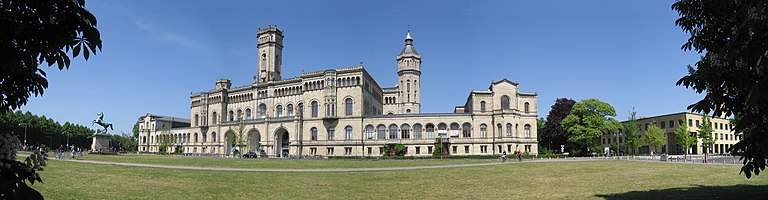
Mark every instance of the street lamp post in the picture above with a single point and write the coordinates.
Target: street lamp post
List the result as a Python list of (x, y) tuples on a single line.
[(25, 132)]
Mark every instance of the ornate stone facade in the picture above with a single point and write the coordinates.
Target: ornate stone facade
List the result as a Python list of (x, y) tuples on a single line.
[(344, 112)]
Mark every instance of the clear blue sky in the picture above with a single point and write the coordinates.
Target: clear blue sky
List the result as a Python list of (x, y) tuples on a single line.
[(626, 53)]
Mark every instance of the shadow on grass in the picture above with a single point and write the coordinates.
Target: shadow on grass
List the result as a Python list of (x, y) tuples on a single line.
[(697, 192)]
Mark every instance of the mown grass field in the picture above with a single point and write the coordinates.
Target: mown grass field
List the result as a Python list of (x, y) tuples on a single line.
[(274, 163), (553, 180)]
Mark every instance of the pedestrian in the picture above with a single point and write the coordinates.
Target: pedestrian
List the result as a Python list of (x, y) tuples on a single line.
[(520, 156)]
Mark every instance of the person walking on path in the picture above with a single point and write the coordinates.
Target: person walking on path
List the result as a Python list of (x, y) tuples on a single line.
[(520, 156), (504, 157)]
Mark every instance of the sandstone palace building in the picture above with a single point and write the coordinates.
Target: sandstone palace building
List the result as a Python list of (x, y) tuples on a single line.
[(343, 112)]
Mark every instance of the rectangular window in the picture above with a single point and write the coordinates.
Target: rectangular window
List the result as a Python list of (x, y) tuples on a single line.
[(671, 124), (370, 150), (330, 151), (698, 124), (466, 149), (663, 124), (690, 123), (527, 148), (381, 150), (330, 133), (347, 150), (313, 151), (484, 149), (429, 149), (453, 148), (418, 150)]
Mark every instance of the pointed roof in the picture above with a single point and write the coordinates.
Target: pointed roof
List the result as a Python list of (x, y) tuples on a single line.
[(409, 49)]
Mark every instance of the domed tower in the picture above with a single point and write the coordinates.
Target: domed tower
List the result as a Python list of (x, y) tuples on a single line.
[(409, 77), (270, 54)]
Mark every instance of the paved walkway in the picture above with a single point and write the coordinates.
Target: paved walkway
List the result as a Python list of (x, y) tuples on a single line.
[(317, 169)]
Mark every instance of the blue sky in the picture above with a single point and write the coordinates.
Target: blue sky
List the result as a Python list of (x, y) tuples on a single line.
[(626, 53)]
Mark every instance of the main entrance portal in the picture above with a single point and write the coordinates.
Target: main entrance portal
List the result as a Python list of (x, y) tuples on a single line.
[(282, 149)]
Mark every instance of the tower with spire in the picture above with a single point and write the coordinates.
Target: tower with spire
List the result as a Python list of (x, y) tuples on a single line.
[(270, 54), (409, 77)]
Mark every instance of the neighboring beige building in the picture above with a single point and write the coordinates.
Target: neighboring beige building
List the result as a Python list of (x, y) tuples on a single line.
[(722, 131), (344, 112)]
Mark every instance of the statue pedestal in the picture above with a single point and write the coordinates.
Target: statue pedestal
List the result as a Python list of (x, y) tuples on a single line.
[(100, 143)]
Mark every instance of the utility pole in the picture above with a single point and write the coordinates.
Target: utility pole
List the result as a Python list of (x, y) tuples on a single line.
[(25, 132)]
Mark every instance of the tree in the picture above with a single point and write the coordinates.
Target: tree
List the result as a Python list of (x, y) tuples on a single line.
[(655, 137), (136, 127), (553, 134), (684, 137), (238, 136), (631, 132), (38, 32), (731, 36), (589, 119), (705, 133), (165, 139)]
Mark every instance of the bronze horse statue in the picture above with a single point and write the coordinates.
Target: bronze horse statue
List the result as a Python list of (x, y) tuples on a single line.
[(100, 121)]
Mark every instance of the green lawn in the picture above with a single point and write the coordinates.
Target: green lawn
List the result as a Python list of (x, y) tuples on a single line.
[(561, 180), (274, 163)]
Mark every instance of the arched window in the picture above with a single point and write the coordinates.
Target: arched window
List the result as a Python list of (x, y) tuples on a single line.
[(289, 108), (279, 110), (369, 132), (195, 138), (509, 129), (442, 130), (482, 106), (301, 109), (382, 132), (527, 131), (239, 114), (348, 133), (430, 131), (262, 111), (213, 137), (483, 130), (505, 102), (313, 130), (527, 105), (466, 130), (197, 119), (408, 111), (144, 139), (405, 131), (417, 131), (348, 106), (454, 130), (205, 137), (331, 131), (392, 131), (247, 113), (231, 116), (517, 130), (498, 132), (314, 108)]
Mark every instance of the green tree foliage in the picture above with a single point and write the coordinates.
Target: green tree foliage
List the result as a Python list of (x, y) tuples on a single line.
[(438, 151), (733, 71), (15, 174), (165, 139), (655, 137), (553, 134), (123, 142), (238, 137), (42, 130), (684, 136), (136, 127), (40, 32), (705, 133), (631, 132), (589, 119), (398, 149)]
